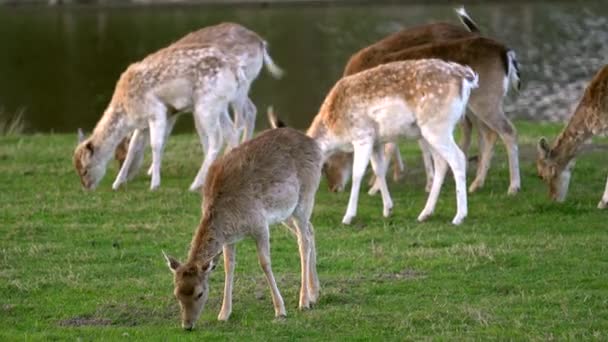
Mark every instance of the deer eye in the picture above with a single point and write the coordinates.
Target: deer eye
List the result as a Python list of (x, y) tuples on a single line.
[(199, 296)]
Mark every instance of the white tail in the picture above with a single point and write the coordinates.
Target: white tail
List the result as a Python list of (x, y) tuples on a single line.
[(466, 20), (513, 73), (274, 69)]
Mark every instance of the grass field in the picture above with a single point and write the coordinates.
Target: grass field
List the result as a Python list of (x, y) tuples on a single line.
[(78, 265)]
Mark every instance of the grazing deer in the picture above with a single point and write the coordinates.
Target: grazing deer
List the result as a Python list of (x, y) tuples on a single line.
[(497, 68), (269, 179), (250, 51), (417, 98), (555, 162), (197, 78)]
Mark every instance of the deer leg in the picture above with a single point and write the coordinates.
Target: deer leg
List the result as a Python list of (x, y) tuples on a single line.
[(209, 125), (361, 156), (304, 247), (604, 202), (250, 113), (229, 264), (467, 131), (427, 160), (390, 149), (263, 247), (158, 125), (231, 133), (170, 124), (446, 148), (134, 145), (493, 116), (487, 139), (440, 169), (379, 167), (138, 158)]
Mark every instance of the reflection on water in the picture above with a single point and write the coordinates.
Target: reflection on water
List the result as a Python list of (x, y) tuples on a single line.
[(61, 64)]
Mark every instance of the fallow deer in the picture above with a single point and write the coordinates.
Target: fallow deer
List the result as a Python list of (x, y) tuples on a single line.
[(250, 51), (198, 78), (497, 68), (269, 179), (416, 98), (555, 162)]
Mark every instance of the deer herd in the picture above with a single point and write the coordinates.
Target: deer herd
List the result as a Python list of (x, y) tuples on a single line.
[(416, 83)]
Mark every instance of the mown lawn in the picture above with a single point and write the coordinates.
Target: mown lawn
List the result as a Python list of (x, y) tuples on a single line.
[(88, 265)]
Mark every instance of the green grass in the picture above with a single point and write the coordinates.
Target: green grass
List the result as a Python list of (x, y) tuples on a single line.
[(80, 265)]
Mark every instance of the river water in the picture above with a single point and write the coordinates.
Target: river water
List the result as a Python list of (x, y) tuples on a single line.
[(59, 63)]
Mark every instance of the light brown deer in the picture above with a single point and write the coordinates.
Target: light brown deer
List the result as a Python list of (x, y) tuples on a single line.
[(555, 162), (250, 52), (197, 78), (417, 98), (496, 66), (269, 179)]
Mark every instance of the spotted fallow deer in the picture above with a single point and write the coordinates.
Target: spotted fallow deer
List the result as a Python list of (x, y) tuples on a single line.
[(417, 98), (250, 52), (555, 162), (269, 179), (196, 78), (493, 61)]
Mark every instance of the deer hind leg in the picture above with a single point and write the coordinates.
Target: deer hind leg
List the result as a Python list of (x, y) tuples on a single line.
[(229, 264), (263, 248), (445, 150), (135, 144), (604, 202), (361, 156), (493, 116), (487, 140), (379, 166), (209, 126)]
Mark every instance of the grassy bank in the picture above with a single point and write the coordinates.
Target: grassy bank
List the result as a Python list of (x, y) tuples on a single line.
[(88, 265)]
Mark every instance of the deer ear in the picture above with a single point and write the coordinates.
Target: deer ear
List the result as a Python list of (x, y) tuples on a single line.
[(171, 262), (80, 135), (543, 147)]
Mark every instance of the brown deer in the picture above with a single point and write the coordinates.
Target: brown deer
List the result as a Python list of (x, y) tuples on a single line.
[(269, 179), (250, 51), (496, 66), (197, 78), (416, 98), (555, 162)]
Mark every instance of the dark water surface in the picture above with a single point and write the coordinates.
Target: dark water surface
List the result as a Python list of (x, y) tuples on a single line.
[(61, 63)]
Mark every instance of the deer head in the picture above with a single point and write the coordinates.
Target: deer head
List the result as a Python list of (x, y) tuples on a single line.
[(88, 168), (549, 170), (191, 281)]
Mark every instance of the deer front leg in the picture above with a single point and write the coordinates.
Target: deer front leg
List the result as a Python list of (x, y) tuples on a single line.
[(208, 125), (158, 126), (170, 124), (604, 202), (135, 144), (263, 248), (379, 167), (229, 264), (361, 156)]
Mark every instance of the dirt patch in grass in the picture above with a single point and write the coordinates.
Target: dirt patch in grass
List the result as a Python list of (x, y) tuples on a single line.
[(122, 315), (84, 321), (405, 274)]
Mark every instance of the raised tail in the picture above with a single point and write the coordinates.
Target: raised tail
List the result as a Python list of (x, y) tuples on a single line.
[(466, 20), (274, 121), (513, 73), (470, 80), (274, 69)]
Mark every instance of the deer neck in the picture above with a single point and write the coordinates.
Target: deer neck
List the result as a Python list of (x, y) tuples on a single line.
[(570, 140), (206, 243), (328, 142), (109, 132)]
